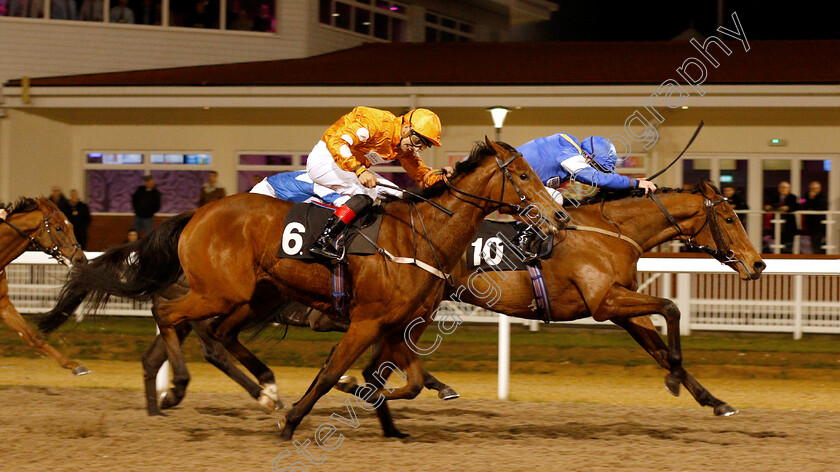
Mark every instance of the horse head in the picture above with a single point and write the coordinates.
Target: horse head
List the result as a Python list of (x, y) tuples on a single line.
[(51, 232), (721, 234)]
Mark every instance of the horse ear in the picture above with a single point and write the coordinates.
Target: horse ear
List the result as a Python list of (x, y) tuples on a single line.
[(707, 189), (492, 145)]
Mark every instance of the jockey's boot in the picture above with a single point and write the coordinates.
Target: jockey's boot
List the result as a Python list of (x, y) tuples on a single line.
[(525, 241), (325, 245)]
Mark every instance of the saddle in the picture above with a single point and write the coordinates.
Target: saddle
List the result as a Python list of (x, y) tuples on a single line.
[(492, 248), (305, 222)]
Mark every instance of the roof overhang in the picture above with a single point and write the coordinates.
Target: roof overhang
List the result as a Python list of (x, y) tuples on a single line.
[(526, 11), (584, 96)]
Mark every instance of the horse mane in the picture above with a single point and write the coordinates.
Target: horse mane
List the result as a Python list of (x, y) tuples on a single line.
[(22, 205), (609, 196), (479, 153)]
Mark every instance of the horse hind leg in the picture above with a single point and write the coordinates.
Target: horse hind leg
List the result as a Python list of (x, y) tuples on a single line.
[(13, 319), (642, 330), (216, 355)]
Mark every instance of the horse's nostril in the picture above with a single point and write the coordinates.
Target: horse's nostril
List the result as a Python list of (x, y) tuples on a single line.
[(759, 266)]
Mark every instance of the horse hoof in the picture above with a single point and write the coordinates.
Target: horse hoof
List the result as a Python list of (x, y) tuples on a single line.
[(396, 434), (724, 409), (448, 394), (81, 370), (672, 382), (346, 384), (156, 413), (269, 405)]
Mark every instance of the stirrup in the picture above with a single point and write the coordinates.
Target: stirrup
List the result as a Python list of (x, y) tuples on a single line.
[(327, 250)]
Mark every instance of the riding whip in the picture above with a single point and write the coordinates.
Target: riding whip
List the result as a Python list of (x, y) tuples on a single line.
[(696, 132)]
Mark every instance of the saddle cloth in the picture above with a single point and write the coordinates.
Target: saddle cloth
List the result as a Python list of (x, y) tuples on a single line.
[(490, 249), (306, 221)]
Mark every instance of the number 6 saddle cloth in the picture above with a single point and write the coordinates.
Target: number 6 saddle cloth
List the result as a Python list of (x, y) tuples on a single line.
[(306, 221)]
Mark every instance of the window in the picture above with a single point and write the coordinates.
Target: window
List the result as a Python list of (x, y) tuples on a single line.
[(112, 177), (383, 20), (255, 166), (443, 29)]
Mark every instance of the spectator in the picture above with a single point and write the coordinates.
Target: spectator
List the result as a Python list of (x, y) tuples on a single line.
[(131, 236), (199, 18), (264, 21), (57, 197), (736, 200), (815, 201), (237, 19), (784, 202), (91, 10), (63, 9), (209, 191), (122, 13), (146, 202), (148, 13), (79, 215), (26, 8)]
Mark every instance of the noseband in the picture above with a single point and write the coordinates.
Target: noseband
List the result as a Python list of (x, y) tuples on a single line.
[(722, 253), (55, 250)]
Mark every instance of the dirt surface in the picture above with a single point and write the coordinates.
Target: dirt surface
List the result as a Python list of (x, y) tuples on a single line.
[(784, 425)]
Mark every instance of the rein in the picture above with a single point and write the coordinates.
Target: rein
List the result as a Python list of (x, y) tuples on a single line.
[(55, 250), (508, 178)]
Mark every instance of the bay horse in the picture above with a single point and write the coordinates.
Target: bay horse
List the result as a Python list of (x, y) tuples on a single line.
[(594, 274), (37, 224), (227, 251)]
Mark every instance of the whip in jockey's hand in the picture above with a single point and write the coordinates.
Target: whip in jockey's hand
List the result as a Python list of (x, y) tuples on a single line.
[(646, 184), (365, 137)]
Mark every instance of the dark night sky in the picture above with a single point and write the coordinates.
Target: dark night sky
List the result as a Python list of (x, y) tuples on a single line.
[(663, 20)]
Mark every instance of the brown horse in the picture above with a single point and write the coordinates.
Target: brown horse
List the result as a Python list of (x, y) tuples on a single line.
[(594, 274), (39, 224), (227, 250)]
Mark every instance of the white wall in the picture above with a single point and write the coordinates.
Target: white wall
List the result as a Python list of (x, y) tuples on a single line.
[(40, 48)]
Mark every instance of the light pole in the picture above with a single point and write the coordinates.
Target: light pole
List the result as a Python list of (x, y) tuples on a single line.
[(498, 114)]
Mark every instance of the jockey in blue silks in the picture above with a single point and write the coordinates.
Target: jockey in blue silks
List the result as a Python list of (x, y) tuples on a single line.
[(561, 157), (297, 187)]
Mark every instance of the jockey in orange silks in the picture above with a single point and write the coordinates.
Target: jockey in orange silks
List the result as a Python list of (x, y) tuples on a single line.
[(363, 138)]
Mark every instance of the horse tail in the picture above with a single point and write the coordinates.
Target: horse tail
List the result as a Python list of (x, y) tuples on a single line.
[(138, 270)]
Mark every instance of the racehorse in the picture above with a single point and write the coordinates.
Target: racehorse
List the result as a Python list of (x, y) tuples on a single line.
[(227, 251), (593, 273), (39, 224)]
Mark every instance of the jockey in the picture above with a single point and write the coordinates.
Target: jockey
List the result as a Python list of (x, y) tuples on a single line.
[(362, 138), (561, 157), (297, 187)]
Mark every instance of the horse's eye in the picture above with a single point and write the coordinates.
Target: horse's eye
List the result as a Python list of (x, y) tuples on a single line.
[(730, 220), (524, 177)]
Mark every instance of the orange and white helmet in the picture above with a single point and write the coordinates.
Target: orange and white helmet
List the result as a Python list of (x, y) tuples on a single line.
[(425, 123)]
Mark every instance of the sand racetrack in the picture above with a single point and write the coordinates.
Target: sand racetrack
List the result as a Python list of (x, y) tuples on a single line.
[(95, 429)]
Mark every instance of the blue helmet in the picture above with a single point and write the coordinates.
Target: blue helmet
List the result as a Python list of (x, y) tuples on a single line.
[(601, 151)]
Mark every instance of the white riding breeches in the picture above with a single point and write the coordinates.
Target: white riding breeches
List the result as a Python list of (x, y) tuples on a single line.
[(322, 169)]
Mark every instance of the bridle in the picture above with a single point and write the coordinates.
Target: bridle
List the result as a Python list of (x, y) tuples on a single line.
[(722, 253), (55, 250), (503, 166)]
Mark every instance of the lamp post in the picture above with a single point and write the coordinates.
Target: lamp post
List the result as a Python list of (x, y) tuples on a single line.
[(498, 114)]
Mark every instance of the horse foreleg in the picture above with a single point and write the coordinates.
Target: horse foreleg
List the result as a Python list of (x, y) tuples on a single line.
[(619, 302), (445, 392), (358, 338), (11, 318), (226, 332), (643, 331), (153, 359)]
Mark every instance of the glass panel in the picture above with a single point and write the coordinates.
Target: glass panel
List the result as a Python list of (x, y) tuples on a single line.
[(90, 10), (179, 189), (265, 159), (121, 12), (778, 196), (447, 37), (199, 159), (380, 23), (147, 12), (466, 28), (734, 181), (264, 20), (111, 158), (431, 35), (110, 191), (447, 23), (693, 170), (397, 8), (401, 179), (29, 9), (194, 13), (248, 178), (362, 22), (814, 177), (324, 12), (238, 18), (342, 15)]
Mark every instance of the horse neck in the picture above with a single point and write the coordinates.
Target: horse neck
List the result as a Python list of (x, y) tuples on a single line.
[(644, 222), (451, 235), (12, 244)]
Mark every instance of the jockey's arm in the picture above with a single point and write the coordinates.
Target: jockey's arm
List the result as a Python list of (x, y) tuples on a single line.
[(341, 142), (418, 170), (579, 170)]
